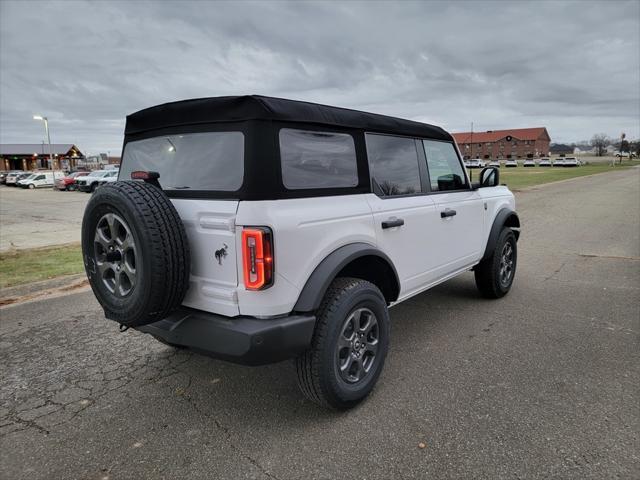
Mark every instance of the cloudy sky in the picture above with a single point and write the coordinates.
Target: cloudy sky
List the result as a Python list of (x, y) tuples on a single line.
[(573, 67)]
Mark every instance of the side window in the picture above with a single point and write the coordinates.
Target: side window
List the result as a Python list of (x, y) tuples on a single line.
[(317, 159), (393, 162), (39, 177), (445, 170)]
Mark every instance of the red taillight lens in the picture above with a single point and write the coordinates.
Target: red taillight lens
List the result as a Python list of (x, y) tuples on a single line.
[(257, 258), (144, 175)]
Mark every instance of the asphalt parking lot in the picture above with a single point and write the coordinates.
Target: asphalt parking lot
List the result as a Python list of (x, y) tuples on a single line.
[(541, 384), (39, 218)]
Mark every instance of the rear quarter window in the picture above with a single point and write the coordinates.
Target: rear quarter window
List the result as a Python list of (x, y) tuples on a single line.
[(210, 161), (313, 159)]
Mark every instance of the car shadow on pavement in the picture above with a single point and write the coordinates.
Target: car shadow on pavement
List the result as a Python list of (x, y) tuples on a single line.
[(219, 389)]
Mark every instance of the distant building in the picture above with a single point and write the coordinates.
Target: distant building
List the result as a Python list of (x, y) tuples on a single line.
[(514, 143), (31, 156)]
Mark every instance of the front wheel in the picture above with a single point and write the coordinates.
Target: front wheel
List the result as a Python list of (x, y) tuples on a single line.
[(494, 275), (349, 345), (31, 185)]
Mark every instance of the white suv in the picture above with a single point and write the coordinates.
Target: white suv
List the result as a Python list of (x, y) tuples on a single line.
[(256, 229), (90, 182)]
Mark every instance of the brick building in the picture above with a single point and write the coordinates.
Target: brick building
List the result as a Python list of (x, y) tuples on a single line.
[(514, 143)]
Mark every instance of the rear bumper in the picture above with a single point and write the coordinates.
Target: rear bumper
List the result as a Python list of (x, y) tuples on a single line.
[(244, 340)]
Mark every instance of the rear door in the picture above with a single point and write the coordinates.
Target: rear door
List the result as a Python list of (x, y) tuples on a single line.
[(460, 209), (405, 217), (200, 172)]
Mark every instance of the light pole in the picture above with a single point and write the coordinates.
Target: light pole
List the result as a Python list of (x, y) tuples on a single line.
[(46, 129)]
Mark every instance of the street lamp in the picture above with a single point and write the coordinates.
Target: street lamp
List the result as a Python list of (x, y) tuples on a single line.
[(46, 129)]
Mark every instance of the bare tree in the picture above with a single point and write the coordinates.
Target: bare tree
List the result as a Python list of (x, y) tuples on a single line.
[(599, 142)]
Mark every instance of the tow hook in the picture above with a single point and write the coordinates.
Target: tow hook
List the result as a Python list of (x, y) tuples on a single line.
[(123, 328)]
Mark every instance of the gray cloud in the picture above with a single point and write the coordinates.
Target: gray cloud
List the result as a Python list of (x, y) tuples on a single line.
[(571, 66)]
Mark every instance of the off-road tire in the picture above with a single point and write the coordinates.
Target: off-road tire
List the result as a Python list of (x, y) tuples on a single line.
[(162, 262), (316, 369), (487, 272)]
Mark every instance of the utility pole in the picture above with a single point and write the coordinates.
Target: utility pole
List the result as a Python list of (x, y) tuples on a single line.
[(472, 140), (622, 136)]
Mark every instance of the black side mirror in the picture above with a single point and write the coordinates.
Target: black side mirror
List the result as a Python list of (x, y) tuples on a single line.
[(489, 177)]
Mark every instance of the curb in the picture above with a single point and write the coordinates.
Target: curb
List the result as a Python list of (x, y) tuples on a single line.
[(45, 288)]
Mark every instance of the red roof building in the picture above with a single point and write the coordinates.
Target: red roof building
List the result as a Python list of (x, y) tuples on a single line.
[(514, 143)]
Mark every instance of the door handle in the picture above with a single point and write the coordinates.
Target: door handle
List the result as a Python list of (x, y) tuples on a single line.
[(447, 213), (393, 222)]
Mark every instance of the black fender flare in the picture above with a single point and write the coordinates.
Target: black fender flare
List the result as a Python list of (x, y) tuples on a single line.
[(318, 282), (507, 217)]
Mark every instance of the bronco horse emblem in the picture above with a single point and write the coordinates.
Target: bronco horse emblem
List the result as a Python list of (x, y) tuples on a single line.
[(222, 253)]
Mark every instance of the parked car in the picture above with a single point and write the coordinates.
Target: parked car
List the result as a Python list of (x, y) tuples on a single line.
[(3, 177), (558, 162), (625, 154), (110, 178), (475, 163), (295, 252), (544, 162), (571, 162), (41, 179), (511, 162), (12, 177), (529, 162), (20, 179), (69, 182), (90, 182), (494, 163)]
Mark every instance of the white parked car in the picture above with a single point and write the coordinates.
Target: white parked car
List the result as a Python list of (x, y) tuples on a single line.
[(494, 163), (221, 240), (529, 162), (571, 162), (12, 177), (625, 154), (511, 162), (558, 162), (475, 163), (544, 162), (90, 182), (41, 179)]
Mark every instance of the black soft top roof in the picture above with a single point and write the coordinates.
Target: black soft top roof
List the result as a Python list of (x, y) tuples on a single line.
[(256, 107)]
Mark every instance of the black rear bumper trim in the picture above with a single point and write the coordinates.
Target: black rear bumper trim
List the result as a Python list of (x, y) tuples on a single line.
[(244, 340)]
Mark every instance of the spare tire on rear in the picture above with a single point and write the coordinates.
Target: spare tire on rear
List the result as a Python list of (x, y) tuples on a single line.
[(136, 252)]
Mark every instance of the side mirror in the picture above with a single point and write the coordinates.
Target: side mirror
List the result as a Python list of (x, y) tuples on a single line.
[(489, 177)]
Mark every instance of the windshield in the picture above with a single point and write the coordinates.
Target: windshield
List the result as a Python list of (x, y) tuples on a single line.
[(195, 161)]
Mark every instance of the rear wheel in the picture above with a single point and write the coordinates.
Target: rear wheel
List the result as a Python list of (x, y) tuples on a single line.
[(494, 275), (349, 345)]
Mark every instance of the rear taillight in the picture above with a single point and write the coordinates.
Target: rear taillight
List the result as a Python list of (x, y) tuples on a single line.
[(257, 258)]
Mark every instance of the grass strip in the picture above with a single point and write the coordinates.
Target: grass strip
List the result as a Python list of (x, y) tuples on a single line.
[(521, 177), (18, 267)]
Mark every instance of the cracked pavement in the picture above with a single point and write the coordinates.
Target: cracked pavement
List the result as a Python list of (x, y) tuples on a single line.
[(541, 384)]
